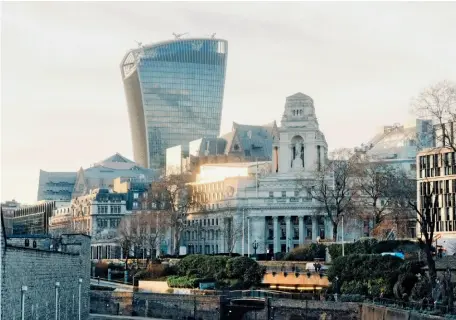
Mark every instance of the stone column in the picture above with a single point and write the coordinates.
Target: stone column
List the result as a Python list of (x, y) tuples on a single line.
[(301, 229), (314, 229), (289, 238), (258, 233), (276, 234), (328, 228)]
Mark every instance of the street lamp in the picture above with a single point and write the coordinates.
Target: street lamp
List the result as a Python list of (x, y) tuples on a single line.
[(336, 289), (255, 247), (343, 246)]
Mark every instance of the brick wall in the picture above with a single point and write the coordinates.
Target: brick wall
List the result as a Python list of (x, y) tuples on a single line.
[(39, 270)]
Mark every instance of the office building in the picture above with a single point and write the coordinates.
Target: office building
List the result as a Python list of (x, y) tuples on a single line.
[(174, 92), (64, 186)]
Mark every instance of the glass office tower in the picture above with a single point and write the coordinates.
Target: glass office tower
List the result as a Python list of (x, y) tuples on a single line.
[(174, 93)]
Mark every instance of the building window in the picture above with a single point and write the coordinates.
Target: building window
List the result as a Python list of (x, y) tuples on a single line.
[(102, 223), (135, 195), (284, 194), (102, 209), (271, 194), (115, 209), (114, 223), (296, 193)]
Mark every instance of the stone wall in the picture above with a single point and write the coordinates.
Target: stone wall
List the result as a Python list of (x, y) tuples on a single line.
[(286, 309), (39, 270), (373, 312), (167, 306)]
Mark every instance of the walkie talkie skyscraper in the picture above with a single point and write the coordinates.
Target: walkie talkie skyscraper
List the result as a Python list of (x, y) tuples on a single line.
[(174, 91)]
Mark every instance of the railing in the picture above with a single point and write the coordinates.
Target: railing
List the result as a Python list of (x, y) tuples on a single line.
[(424, 307)]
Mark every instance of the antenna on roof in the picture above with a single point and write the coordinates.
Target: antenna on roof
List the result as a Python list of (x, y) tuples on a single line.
[(212, 35), (179, 35), (139, 43)]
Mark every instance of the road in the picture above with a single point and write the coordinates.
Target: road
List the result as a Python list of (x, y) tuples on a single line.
[(115, 285)]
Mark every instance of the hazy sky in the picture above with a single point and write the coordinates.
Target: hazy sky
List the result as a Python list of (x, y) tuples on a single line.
[(63, 103)]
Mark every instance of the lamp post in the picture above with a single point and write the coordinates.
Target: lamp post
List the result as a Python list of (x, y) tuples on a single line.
[(80, 297), (336, 289), (255, 247), (23, 291), (343, 247)]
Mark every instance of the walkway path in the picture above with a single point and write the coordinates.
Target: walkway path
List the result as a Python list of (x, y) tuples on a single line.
[(110, 284), (108, 317)]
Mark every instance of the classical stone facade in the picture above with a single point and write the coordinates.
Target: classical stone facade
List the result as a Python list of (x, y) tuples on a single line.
[(268, 207), (98, 215), (41, 277)]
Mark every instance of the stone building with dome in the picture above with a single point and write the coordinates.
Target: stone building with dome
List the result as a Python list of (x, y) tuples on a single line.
[(262, 203)]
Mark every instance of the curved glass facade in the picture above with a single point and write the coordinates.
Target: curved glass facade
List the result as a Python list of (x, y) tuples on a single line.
[(174, 93)]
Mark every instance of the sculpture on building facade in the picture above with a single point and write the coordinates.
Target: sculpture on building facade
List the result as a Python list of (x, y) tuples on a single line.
[(298, 156)]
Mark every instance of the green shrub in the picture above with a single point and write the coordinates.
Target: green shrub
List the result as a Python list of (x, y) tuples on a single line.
[(358, 247), (221, 269), (352, 298), (202, 266), (396, 245), (354, 287), (279, 256), (182, 282), (246, 269), (307, 252), (365, 269), (101, 269)]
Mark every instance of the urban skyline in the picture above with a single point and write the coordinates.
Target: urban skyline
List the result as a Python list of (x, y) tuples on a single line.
[(94, 101)]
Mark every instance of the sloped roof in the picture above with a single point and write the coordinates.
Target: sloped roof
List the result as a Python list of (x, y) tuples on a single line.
[(116, 161), (299, 95), (255, 141), (391, 142)]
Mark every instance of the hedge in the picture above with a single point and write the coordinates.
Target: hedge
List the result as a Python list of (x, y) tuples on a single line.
[(245, 271), (372, 246), (307, 253)]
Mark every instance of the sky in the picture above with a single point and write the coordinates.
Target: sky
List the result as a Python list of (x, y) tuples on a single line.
[(62, 98)]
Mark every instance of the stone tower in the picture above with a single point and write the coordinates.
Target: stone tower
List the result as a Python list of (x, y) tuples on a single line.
[(301, 147)]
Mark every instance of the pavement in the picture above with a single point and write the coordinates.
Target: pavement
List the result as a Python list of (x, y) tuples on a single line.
[(117, 286), (108, 317)]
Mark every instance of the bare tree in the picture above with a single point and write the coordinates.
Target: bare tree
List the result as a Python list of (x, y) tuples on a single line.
[(232, 233), (425, 214), (128, 235), (375, 182), (333, 188), (152, 227), (438, 103), (174, 198)]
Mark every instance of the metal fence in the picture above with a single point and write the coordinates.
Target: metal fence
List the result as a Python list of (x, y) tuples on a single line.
[(424, 306)]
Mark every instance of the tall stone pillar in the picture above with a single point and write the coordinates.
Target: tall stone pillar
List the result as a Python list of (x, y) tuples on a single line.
[(258, 230), (301, 229), (314, 229), (276, 234), (289, 238), (328, 228)]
